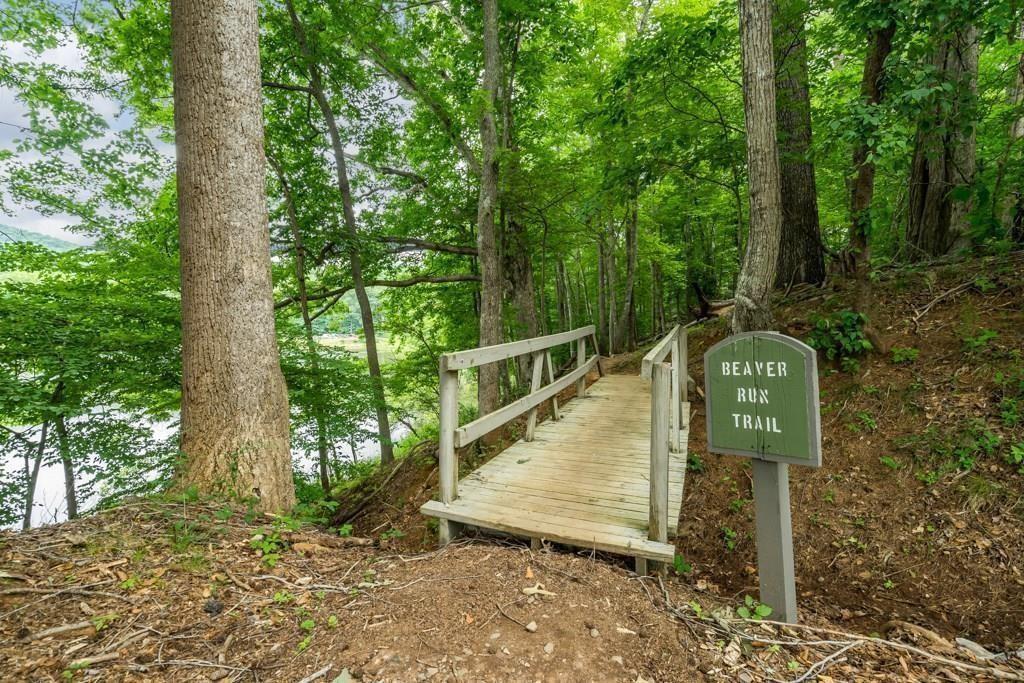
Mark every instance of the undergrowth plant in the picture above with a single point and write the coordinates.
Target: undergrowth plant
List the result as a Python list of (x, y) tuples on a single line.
[(841, 338)]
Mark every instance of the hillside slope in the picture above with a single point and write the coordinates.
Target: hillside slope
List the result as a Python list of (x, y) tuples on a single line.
[(158, 591)]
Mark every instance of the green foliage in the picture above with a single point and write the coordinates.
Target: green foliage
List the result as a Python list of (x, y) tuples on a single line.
[(980, 341), (752, 609), (729, 538), (840, 337), (957, 447), (680, 566), (904, 355), (269, 545), (1015, 457), (890, 462)]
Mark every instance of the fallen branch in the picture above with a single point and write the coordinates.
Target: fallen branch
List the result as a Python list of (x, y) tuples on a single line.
[(57, 630), (97, 659)]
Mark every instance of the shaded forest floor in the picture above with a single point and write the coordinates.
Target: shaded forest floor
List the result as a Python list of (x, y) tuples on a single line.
[(193, 591), (908, 535)]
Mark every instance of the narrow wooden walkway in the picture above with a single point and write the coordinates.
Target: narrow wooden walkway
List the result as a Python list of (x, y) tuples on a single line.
[(582, 481)]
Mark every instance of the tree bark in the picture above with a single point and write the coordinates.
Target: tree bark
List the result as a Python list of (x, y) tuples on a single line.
[(757, 276), (32, 476), (944, 156), (487, 240), (800, 253), (624, 328), (67, 463), (862, 192), (1009, 202), (234, 404), (387, 454)]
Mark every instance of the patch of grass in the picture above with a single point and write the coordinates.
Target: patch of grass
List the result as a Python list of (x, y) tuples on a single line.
[(904, 355), (890, 462)]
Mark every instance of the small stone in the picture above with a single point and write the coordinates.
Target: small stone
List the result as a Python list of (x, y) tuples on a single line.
[(505, 651), (594, 633), (618, 660), (549, 648), (213, 606), (496, 635), (532, 627)]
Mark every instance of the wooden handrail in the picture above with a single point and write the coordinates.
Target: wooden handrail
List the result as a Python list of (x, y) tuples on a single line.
[(660, 351), (471, 358), (452, 436), (491, 421)]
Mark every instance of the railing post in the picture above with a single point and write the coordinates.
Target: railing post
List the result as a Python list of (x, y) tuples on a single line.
[(556, 413), (538, 368), (581, 359), (661, 377), (677, 377), (448, 461), (684, 364)]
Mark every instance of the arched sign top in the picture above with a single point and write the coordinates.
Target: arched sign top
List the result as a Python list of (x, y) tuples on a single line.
[(762, 398)]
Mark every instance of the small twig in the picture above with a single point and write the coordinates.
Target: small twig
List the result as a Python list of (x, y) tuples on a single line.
[(506, 614), (89, 661), (317, 675), (819, 667), (57, 630)]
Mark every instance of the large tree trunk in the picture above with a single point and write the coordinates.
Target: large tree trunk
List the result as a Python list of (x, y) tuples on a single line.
[(800, 252), (862, 192), (387, 453), (487, 239), (67, 463), (234, 403), (757, 277), (944, 156), (32, 465)]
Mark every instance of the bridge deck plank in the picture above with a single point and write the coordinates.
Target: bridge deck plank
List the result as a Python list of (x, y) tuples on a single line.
[(582, 481)]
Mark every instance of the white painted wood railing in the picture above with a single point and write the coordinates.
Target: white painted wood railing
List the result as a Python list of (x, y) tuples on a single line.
[(668, 397), (453, 436), (672, 346)]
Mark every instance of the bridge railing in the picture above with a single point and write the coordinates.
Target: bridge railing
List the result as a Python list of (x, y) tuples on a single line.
[(452, 436), (666, 366)]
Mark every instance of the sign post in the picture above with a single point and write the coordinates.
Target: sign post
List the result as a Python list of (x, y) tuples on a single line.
[(762, 403)]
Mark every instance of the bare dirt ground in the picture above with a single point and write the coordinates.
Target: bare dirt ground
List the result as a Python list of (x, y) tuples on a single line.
[(184, 591)]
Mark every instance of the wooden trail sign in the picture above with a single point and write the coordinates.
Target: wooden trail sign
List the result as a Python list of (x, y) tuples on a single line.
[(761, 393), (762, 398)]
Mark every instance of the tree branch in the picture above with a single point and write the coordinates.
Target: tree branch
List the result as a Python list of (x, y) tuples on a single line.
[(414, 244), (287, 86), (408, 282), (376, 54)]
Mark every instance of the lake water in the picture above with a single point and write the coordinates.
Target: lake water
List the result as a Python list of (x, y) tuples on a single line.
[(51, 508)]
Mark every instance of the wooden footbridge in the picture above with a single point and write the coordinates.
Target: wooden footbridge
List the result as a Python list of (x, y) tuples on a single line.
[(605, 472)]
